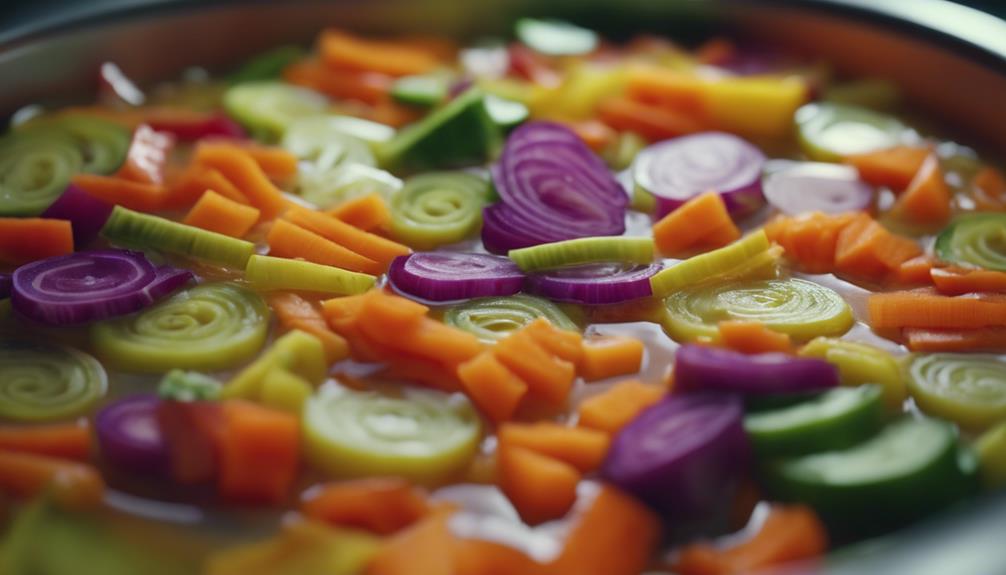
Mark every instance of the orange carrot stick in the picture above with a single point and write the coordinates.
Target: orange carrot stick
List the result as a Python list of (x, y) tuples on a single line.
[(753, 337), (611, 356), (957, 281), (374, 247), (259, 453), (893, 167), (218, 214), (382, 505), (926, 201), (128, 194), (548, 377), (651, 121), (613, 409), (147, 156), (916, 271), (295, 312), (581, 447), (693, 223), (339, 84), (562, 343), (540, 487), (597, 135), (496, 390), (197, 180), (342, 51), (989, 190), (63, 440), (367, 213), (990, 339), (24, 240), (925, 309), (73, 484), (238, 166), (277, 163), (287, 240)]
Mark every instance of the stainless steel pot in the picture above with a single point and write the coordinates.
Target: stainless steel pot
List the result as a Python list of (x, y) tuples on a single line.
[(950, 60)]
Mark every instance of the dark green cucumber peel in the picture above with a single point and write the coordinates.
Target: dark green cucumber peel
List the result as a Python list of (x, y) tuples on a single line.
[(912, 468), (836, 419)]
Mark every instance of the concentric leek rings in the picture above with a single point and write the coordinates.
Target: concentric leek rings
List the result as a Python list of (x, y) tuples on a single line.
[(969, 389), (438, 208), (208, 327), (976, 240), (493, 318), (44, 382), (800, 308)]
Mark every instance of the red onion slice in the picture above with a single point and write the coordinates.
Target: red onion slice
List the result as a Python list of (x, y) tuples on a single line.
[(703, 368), (552, 188), (676, 170), (130, 437), (86, 213), (817, 187), (595, 284), (682, 455), (443, 277), (91, 286)]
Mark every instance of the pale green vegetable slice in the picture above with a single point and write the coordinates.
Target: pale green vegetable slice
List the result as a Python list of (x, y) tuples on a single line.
[(41, 382), (493, 318), (969, 389)]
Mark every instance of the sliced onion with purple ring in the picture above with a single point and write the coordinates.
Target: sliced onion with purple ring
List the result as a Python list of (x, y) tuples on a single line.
[(817, 187), (704, 368), (129, 436), (446, 277), (86, 213), (683, 455), (89, 286), (676, 170), (553, 188), (595, 284)]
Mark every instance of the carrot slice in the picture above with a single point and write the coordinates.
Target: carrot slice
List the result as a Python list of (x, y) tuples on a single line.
[(343, 51), (753, 337), (24, 240), (992, 339), (496, 390), (382, 505), (957, 281), (614, 408), (540, 487), (218, 214), (128, 194), (916, 271), (651, 121), (295, 312), (63, 440), (613, 535), (147, 156), (925, 309), (611, 356), (342, 85), (238, 166), (259, 453), (448, 346), (371, 246), (702, 219), (277, 163), (287, 240), (192, 430), (393, 313), (548, 378), (597, 135), (789, 533), (659, 87), (367, 213), (73, 484), (428, 372), (927, 199), (197, 180), (989, 189), (581, 447), (478, 557), (866, 249), (562, 343), (893, 167)]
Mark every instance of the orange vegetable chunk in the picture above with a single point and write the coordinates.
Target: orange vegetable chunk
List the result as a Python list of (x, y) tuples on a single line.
[(701, 220), (295, 312), (753, 337), (496, 390), (73, 484), (548, 378), (24, 240), (62, 440), (614, 408), (259, 453), (216, 213), (581, 447), (382, 505), (287, 240), (927, 199), (892, 167), (367, 212), (540, 487), (611, 356)]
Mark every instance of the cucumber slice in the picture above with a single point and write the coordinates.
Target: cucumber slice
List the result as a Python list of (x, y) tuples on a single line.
[(268, 108), (374, 133), (494, 318), (505, 113), (974, 240), (426, 90), (836, 419), (438, 208), (419, 434), (266, 273), (828, 131), (622, 249), (730, 262), (797, 307), (144, 231), (267, 65), (969, 389), (323, 145), (208, 327), (991, 448), (333, 187), (555, 37), (458, 133), (859, 364), (912, 468), (47, 382)]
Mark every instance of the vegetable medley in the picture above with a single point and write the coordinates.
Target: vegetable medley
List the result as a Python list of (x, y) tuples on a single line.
[(550, 306)]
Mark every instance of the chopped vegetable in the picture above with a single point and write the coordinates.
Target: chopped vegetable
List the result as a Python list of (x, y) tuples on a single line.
[(368, 245), (62, 440), (437, 208), (285, 375), (735, 261), (346, 182), (594, 284), (268, 108), (238, 165), (259, 453), (893, 167), (991, 448), (268, 273), (129, 436), (45, 382), (651, 121), (540, 487), (968, 389), (701, 368), (581, 251), (73, 484), (555, 37), (606, 357), (147, 156), (974, 240), (613, 409), (492, 319), (381, 505), (210, 326), (924, 309), (24, 240), (991, 339), (178, 385), (927, 200), (452, 276), (192, 431), (828, 132), (702, 221), (368, 213), (296, 313), (860, 364), (341, 50), (494, 389), (218, 214), (322, 142), (817, 187), (421, 90), (548, 376), (128, 194), (581, 447), (958, 281), (866, 249), (753, 337), (287, 240)]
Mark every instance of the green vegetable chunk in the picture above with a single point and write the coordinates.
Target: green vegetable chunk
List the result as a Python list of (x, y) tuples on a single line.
[(976, 240), (438, 208), (969, 389), (43, 382), (828, 132), (180, 385), (493, 318), (621, 249), (268, 108)]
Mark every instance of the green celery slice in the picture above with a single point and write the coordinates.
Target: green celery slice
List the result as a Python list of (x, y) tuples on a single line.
[(797, 307), (438, 208), (493, 318), (42, 382), (977, 240), (208, 327), (859, 364), (729, 262), (969, 389), (267, 273), (419, 434), (622, 249)]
